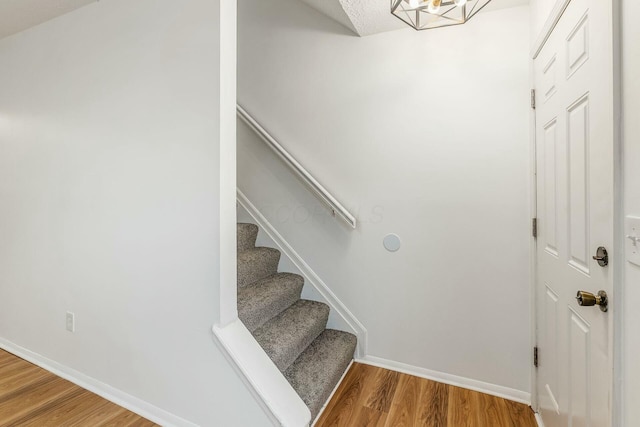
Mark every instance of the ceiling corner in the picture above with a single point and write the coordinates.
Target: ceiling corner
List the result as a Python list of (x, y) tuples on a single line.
[(334, 10)]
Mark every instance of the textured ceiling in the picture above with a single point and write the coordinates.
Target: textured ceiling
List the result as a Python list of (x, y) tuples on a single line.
[(363, 17), (333, 9), (18, 15), (366, 17)]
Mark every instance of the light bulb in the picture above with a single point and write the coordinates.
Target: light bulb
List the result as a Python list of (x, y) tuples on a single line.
[(434, 6), (459, 3), (413, 3)]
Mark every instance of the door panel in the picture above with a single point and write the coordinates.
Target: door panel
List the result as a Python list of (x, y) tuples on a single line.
[(552, 311), (551, 188), (574, 170), (579, 370), (578, 131), (578, 46)]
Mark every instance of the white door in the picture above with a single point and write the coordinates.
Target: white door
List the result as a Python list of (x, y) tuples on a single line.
[(575, 199)]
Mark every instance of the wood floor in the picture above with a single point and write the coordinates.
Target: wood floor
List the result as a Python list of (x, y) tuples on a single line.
[(368, 396), (31, 396), (371, 396)]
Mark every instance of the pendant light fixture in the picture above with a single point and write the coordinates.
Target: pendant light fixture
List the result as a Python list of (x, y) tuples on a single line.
[(425, 14)]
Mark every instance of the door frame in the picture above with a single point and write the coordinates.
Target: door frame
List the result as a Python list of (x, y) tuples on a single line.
[(617, 264)]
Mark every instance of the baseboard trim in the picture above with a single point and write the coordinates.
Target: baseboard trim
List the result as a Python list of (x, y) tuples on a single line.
[(112, 394), (309, 275), (468, 383), (539, 420)]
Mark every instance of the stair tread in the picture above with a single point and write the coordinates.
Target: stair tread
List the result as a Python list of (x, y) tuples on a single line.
[(261, 301), (288, 334), (315, 373), (257, 263), (246, 235)]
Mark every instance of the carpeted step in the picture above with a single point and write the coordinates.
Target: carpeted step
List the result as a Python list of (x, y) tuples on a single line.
[(256, 264), (263, 300), (290, 330), (246, 236), (318, 369), (285, 336)]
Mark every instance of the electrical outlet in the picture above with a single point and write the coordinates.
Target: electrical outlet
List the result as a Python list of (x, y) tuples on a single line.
[(71, 322)]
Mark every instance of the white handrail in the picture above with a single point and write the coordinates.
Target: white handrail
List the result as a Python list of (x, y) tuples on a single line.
[(324, 195)]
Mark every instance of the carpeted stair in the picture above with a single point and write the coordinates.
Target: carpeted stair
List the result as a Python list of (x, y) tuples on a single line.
[(289, 329)]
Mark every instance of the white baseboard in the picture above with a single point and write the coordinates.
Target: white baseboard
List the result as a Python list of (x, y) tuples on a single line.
[(468, 383), (112, 394), (539, 420), (309, 275)]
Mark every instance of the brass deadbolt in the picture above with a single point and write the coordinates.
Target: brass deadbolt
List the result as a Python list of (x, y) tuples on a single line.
[(602, 256)]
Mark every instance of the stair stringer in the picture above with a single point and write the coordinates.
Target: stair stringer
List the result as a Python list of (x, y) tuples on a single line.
[(263, 379), (315, 288)]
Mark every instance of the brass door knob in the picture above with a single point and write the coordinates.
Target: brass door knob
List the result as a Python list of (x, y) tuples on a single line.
[(587, 299)]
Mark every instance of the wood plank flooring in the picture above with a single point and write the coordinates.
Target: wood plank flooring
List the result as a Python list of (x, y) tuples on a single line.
[(33, 397), (371, 396)]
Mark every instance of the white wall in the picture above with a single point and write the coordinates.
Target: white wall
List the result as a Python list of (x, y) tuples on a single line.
[(631, 137), (109, 202), (420, 134)]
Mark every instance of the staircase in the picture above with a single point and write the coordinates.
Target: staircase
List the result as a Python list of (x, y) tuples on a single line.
[(292, 331)]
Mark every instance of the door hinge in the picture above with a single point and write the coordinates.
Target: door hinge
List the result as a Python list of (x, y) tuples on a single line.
[(533, 99), (535, 356), (534, 227)]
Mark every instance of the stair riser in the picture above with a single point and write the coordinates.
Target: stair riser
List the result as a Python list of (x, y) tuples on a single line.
[(256, 265), (261, 302), (284, 359), (286, 336), (316, 372)]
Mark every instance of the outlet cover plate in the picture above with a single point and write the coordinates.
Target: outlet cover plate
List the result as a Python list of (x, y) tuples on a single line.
[(632, 239), (71, 322)]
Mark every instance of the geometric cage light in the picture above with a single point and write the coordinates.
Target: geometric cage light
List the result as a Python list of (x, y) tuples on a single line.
[(426, 14)]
